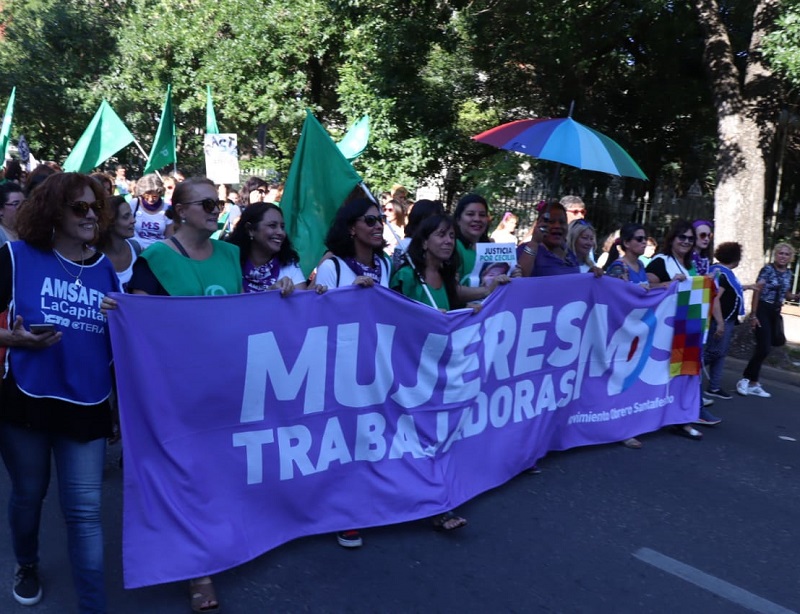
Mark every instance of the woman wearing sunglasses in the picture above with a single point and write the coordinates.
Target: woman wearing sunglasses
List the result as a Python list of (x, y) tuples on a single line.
[(355, 240), (189, 263), (54, 400), (674, 263), (632, 239), (703, 248), (355, 243), (268, 260)]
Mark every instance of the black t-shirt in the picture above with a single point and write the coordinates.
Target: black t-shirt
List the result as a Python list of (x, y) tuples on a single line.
[(81, 422)]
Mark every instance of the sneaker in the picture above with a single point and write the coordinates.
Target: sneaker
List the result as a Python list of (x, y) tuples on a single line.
[(758, 391), (707, 402), (349, 539), (743, 387), (27, 590), (719, 393), (706, 418)]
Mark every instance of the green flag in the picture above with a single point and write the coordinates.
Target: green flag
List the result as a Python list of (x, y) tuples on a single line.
[(105, 136), (5, 131), (163, 151), (355, 141), (319, 180), (211, 117)]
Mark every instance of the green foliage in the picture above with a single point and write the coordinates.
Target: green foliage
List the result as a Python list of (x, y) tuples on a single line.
[(782, 47)]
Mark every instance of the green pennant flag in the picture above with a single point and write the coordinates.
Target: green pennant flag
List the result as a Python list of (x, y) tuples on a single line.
[(163, 150), (211, 117), (319, 180), (355, 141), (105, 136), (5, 131)]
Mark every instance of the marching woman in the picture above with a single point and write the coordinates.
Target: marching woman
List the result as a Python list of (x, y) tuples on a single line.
[(117, 241), (674, 263), (633, 240), (772, 287), (152, 220), (268, 260), (54, 400), (582, 241), (355, 241), (703, 249), (189, 263)]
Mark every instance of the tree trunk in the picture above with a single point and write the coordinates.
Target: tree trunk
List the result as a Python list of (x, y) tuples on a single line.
[(747, 107)]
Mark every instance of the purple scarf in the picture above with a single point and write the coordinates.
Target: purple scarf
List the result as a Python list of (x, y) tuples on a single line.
[(361, 269), (260, 278)]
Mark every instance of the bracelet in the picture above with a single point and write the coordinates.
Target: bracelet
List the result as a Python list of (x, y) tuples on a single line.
[(529, 251)]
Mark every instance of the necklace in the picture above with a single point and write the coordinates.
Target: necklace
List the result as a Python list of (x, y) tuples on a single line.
[(77, 277)]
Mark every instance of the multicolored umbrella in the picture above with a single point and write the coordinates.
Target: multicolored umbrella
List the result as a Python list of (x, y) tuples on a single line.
[(563, 140)]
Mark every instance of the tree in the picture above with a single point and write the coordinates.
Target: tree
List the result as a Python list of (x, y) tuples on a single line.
[(747, 102)]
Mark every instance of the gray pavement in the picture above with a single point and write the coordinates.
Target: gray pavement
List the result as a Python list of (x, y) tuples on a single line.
[(678, 526)]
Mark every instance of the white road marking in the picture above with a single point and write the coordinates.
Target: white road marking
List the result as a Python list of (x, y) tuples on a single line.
[(726, 590)]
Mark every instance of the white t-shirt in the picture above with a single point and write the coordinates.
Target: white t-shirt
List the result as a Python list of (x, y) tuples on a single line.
[(150, 227), (326, 274)]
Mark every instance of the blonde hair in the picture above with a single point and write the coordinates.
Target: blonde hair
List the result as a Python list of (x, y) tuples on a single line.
[(785, 245)]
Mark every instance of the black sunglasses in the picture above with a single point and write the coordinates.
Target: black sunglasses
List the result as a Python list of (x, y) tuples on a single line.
[(640, 239), (371, 220), (209, 204), (685, 239), (81, 207)]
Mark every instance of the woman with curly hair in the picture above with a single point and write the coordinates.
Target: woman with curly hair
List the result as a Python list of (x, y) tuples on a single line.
[(54, 401), (269, 262)]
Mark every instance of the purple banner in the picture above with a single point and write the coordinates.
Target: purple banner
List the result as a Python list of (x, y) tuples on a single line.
[(251, 420)]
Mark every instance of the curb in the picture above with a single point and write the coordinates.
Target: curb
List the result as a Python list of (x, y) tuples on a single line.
[(769, 373)]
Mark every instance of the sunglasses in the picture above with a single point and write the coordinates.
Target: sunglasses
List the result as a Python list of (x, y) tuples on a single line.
[(81, 207), (705, 235), (685, 239), (388, 208), (210, 205), (371, 220), (640, 239)]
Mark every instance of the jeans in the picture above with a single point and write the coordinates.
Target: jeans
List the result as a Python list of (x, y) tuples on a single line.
[(26, 454), (715, 352), (767, 317)]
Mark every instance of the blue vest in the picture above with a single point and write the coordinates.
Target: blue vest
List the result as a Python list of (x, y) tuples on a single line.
[(77, 369)]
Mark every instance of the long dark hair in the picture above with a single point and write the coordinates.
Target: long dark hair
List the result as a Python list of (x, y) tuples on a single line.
[(422, 209), (250, 218), (113, 203), (463, 202), (678, 227), (338, 240), (626, 233), (449, 269)]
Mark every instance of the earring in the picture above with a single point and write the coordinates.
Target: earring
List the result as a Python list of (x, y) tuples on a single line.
[(251, 237), (183, 220)]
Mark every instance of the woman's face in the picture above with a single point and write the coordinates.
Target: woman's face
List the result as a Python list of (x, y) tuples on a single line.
[(151, 197), (441, 242), (76, 226), (556, 228), (473, 222), (257, 195), (124, 222), (585, 243), (511, 224), (637, 243), (169, 188), (9, 213), (703, 236), (367, 230), (683, 243), (783, 257), (388, 211), (193, 214), (649, 249), (270, 233)]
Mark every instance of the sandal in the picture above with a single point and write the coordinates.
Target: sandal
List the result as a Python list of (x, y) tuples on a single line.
[(202, 595), (448, 522), (632, 443)]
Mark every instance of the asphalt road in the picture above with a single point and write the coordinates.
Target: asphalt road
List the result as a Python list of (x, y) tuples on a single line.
[(676, 527)]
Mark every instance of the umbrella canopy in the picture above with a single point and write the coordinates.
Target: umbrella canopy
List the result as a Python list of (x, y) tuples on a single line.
[(563, 140)]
